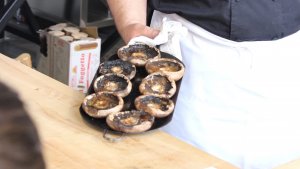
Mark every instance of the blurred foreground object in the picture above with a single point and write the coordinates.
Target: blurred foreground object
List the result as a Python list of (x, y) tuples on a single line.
[(19, 142)]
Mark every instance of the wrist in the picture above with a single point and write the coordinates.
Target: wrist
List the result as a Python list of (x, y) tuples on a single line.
[(130, 31)]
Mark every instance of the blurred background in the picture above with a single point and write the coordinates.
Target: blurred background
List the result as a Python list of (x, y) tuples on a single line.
[(22, 19)]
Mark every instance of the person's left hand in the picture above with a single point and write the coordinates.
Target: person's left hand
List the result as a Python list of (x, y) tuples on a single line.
[(134, 30)]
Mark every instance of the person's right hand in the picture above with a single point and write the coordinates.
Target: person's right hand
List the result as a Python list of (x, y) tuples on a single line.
[(136, 29)]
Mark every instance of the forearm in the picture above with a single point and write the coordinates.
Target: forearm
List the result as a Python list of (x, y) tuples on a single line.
[(127, 13)]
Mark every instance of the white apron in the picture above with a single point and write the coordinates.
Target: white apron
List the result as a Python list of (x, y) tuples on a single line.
[(239, 101)]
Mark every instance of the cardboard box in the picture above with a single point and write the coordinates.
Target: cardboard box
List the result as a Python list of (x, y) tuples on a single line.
[(74, 63)]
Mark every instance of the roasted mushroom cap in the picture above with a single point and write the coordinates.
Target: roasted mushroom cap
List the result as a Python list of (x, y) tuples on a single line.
[(158, 84), (101, 104), (118, 66), (133, 121), (138, 53), (171, 67), (156, 106), (117, 84)]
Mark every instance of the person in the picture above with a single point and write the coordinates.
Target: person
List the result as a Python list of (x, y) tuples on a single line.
[(239, 97), (19, 142)]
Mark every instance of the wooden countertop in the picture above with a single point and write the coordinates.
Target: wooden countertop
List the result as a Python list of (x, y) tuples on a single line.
[(69, 143), (294, 164)]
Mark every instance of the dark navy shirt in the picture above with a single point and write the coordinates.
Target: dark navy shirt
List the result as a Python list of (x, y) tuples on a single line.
[(238, 20)]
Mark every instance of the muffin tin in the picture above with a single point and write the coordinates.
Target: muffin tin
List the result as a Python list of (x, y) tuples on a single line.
[(141, 73)]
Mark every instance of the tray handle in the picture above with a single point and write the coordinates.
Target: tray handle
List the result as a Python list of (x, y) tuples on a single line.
[(113, 136)]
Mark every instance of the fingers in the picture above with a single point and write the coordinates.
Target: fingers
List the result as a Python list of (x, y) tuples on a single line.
[(135, 30), (151, 33)]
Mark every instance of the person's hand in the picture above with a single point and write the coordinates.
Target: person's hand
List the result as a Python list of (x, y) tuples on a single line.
[(134, 30)]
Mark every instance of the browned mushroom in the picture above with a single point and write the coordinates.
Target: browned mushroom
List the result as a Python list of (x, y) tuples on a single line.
[(156, 106), (118, 66), (138, 53), (117, 84), (171, 67), (133, 121), (101, 104), (158, 84)]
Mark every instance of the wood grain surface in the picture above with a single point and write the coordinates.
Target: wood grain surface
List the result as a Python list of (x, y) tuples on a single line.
[(295, 164), (69, 143)]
